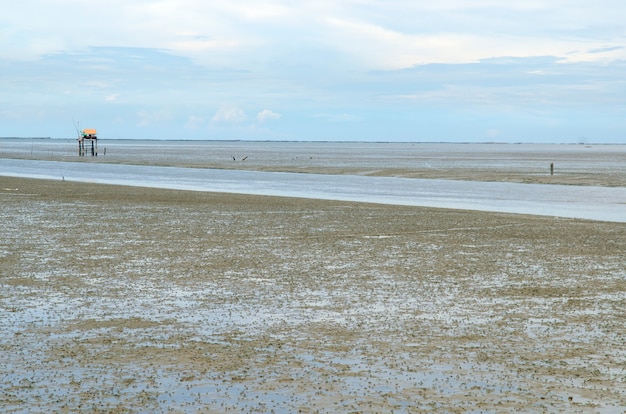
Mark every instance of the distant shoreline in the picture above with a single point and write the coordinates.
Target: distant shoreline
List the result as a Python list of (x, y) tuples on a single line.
[(325, 141), (29, 138)]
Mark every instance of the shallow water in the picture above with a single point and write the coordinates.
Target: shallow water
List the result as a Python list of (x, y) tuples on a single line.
[(366, 157), (585, 202)]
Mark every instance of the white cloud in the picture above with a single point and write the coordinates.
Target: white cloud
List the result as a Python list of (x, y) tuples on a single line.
[(381, 47), (256, 11), (112, 98), (372, 34), (266, 115), (229, 114), (195, 122)]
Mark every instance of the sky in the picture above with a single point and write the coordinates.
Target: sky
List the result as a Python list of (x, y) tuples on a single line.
[(367, 70)]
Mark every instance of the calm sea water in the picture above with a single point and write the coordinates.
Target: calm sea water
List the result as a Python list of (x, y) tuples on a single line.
[(587, 202)]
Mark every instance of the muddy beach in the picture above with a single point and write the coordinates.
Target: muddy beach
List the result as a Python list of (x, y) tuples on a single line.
[(120, 299)]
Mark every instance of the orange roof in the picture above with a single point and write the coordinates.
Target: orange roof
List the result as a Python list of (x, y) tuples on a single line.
[(89, 131)]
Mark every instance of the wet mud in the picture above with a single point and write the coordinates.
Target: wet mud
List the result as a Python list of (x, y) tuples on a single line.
[(118, 299)]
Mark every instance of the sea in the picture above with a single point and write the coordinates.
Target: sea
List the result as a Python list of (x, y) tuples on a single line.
[(348, 171)]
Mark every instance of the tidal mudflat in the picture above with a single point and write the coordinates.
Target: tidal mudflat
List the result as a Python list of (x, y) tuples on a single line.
[(592, 165), (120, 299)]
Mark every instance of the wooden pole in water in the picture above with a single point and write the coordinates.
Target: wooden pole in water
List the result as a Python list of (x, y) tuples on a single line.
[(552, 168)]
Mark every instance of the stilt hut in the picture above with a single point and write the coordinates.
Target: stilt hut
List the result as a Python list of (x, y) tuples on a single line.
[(88, 135)]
